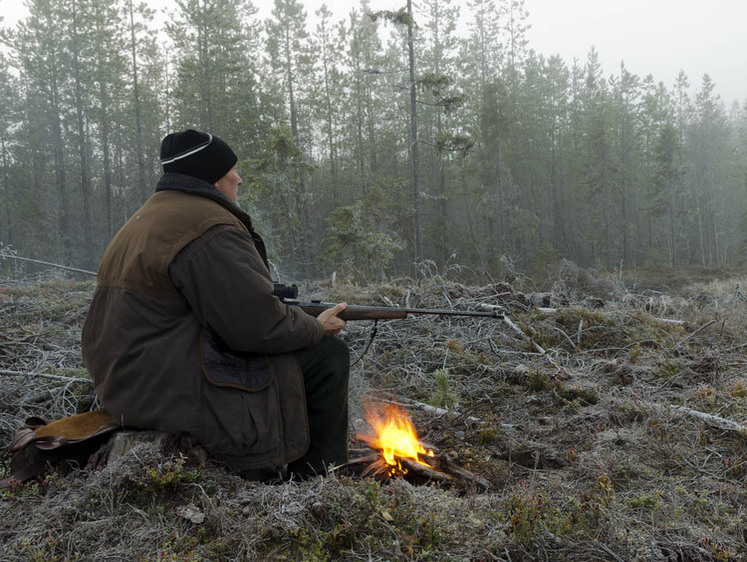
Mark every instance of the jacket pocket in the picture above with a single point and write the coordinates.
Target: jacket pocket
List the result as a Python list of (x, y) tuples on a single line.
[(223, 367), (241, 428)]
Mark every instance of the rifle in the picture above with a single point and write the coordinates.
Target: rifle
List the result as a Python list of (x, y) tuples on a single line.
[(287, 293), (358, 312)]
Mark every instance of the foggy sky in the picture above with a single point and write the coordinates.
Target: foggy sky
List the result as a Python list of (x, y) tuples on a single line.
[(658, 37)]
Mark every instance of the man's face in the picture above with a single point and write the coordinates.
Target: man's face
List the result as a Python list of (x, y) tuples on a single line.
[(229, 184)]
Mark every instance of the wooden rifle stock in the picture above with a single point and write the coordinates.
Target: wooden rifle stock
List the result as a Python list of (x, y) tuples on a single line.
[(357, 312)]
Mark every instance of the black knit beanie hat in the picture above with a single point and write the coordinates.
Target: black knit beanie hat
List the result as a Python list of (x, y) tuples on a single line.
[(197, 154)]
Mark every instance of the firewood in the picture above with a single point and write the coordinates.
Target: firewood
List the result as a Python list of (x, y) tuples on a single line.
[(428, 474), (370, 463)]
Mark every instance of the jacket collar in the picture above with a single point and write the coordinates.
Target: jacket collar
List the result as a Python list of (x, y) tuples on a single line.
[(172, 181)]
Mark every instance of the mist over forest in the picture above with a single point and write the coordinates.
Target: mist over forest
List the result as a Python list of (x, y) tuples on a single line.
[(367, 144)]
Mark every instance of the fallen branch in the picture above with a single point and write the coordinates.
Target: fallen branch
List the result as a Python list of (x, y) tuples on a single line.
[(703, 327), (7, 373), (567, 337), (713, 420), (56, 265), (735, 348), (515, 328), (670, 321), (406, 402)]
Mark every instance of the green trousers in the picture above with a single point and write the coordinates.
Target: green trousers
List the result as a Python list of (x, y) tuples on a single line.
[(326, 373)]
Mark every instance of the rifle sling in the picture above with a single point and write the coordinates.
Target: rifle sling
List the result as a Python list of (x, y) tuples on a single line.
[(374, 330)]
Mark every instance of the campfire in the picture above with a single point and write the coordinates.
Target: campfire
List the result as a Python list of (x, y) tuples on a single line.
[(395, 439), (394, 450)]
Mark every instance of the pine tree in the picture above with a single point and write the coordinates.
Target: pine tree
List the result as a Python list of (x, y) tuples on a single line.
[(441, 102), (136, 106), (404, 18), (212, 65), (288, 48), (40, 53), (665, 186), (81, 52), (483, 50), (365, 64), (328, 98), (709, 133), (597, 161), (626, 94), (558, 85), (9, 101)]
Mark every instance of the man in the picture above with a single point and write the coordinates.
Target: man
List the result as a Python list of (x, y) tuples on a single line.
[(184, 334)]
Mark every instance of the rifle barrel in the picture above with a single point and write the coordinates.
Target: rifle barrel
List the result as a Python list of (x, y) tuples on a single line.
[(451, 312), (358, 312)]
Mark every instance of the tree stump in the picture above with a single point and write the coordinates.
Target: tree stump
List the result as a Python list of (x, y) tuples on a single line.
[(122, 442)]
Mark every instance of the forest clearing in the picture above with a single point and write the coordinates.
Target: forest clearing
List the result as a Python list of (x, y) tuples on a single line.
[(419, 155), (612, 425)]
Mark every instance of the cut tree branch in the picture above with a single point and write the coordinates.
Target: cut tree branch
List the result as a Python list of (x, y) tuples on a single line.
[(8, 373), (712, 420)]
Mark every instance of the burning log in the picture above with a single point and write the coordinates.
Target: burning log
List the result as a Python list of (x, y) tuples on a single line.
[(369, 463), (395, 452), (428, 473)]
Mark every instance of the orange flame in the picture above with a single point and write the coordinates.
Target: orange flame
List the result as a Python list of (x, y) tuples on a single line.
[(395, 437)]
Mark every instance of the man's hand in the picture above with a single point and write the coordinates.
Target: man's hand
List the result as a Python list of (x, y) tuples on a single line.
[(329, 320)]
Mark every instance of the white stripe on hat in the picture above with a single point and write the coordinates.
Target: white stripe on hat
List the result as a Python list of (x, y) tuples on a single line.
[(189, 152)]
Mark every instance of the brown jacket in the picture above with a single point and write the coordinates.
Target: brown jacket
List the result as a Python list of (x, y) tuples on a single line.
[(184, 334)]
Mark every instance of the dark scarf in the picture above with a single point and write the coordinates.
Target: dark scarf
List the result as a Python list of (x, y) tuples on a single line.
[(172, 181)]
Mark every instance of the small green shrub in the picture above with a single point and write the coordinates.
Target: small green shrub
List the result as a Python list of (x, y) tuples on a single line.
[(444, 396)]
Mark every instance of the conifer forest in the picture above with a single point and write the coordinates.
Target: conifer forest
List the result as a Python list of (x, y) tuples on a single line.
[(434, 135)]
